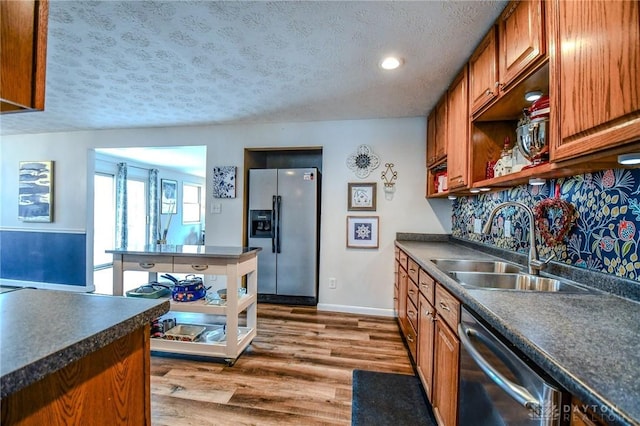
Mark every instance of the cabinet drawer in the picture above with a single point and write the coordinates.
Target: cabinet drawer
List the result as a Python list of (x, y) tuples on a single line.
[(198, 265), (413, 269), (448, 307), (403, 259), (412, 314), (413, 292), (147, 263), (412, 340), (427, 285)]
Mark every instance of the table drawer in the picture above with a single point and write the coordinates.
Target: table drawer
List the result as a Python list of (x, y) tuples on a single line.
[(413, 270), (427, 285), (448, 307), (134, 262), (198, 265)]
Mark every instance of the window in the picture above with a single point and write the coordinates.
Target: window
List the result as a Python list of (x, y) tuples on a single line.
[(104, 233), (136, 212), (191, 207)]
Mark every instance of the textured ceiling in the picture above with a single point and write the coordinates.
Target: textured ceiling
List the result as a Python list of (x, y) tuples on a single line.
[(113, 64)]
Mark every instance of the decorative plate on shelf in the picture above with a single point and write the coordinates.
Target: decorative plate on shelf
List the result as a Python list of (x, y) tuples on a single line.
[(363, 161)]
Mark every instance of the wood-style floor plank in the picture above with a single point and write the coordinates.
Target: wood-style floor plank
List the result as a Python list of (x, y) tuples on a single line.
[(296, 371)]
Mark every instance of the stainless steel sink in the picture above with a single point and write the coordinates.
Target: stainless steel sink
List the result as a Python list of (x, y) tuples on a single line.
[(447, 265), (511, 281)]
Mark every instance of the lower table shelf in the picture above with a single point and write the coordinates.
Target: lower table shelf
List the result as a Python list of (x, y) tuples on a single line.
[(216, 348)]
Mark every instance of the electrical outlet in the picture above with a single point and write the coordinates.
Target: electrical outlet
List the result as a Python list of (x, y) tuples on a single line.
[(333, 283), (477, 226), (216, 208), (507, 228)]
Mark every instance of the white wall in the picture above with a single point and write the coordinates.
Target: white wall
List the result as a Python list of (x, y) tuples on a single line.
[(364, 276)]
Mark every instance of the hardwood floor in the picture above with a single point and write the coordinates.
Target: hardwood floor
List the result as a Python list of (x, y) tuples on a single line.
[(297, 371)]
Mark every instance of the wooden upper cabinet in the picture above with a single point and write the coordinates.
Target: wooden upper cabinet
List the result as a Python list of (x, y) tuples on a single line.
[(458, 132), (595, 75), (483, 72), (521, 33), (431, 138), (441, 128), (23, 41)]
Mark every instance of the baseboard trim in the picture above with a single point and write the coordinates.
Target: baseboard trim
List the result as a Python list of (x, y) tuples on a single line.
[(362, 310)]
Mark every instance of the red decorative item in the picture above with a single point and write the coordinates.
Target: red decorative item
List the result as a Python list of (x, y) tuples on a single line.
[(567, 219)]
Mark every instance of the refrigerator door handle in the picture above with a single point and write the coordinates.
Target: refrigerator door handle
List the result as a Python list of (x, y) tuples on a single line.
[(278, 204), (274, 220)]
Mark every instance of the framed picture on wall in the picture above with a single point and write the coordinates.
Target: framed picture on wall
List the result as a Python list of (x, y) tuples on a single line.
[(362, 231), (362, 196), (168, 196), (35, 192)]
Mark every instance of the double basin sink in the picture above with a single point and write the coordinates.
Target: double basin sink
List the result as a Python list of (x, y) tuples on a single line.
[(497, 275)]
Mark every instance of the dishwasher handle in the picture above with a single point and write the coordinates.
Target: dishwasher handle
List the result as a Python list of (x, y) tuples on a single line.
[(517, 392)]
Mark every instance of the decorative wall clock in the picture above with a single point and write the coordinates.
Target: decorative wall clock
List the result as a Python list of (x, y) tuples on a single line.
[(363, 161)]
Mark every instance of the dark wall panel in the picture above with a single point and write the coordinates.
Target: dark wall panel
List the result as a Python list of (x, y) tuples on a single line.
[(58, 258)]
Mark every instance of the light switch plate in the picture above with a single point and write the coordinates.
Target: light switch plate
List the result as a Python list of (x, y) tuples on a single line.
[(477, 226), (216, 208), (507, 228)]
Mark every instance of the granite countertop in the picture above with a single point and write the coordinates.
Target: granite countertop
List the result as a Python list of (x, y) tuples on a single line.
[(187, 250), (43, 331), (587, 342)]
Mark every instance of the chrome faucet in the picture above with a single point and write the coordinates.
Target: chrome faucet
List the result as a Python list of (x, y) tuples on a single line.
[(535, 264)]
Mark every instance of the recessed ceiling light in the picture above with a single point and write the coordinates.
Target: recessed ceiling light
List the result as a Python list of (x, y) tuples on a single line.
[(534, 95), (390, 63), (629, 159)]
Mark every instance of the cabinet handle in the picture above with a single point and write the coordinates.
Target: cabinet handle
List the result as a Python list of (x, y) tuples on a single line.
[(410, 338), (200, 267), (488, 93), (145, 265), (412, 269), (412, 292), (445, 307), (424, 285), (498, 84)]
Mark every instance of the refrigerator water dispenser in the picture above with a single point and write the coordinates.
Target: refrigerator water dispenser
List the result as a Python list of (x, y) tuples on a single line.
[(260, 224)]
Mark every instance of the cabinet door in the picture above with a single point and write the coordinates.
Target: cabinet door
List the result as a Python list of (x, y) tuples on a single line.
[(595, 72), (458, 133), (522, 41), (402, 297), (445, 382), (23, 31), (441, 128), (426, 329), (431, 138), (483, 72)]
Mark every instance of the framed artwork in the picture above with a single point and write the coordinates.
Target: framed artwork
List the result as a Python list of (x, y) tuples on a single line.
[(224, 182), (362, 231), (362, 196), (169, 196), (35, 191)]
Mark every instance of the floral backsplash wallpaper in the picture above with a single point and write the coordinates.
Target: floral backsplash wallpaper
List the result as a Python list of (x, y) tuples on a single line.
[(605, 236)]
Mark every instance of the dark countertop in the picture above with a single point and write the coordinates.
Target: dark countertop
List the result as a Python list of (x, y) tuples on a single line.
[(187, 250), (43, 331), (588, 343)]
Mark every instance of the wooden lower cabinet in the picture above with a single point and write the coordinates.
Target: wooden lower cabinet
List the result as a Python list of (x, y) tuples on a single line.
[(426, 330), (107, 387), (445, 378)]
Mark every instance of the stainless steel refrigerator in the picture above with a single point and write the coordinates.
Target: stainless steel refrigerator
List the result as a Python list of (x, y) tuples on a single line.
[(284, 221)]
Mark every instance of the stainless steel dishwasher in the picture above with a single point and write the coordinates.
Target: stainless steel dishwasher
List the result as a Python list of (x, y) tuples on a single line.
[(497, 387)]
